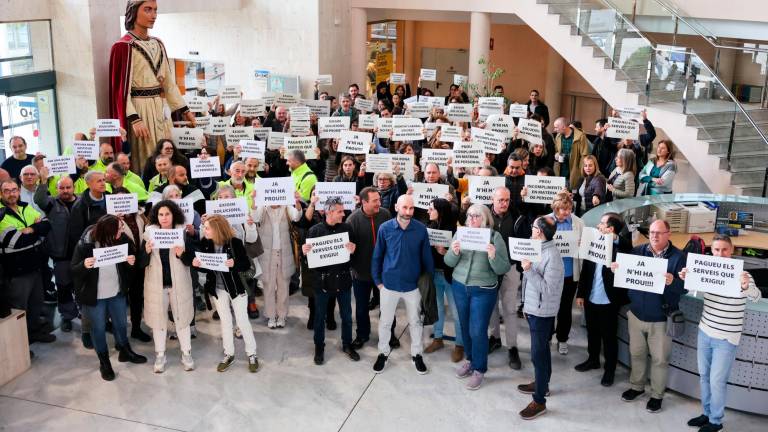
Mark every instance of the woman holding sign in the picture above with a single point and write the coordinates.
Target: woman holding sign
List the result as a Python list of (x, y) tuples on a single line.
[(167, 281), (227, 287), (475, 279), (101, 287)]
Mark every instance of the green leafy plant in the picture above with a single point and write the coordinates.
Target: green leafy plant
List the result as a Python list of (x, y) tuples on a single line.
[(490, 74)]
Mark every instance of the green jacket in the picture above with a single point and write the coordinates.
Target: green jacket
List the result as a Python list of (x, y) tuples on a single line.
[(139, 190), (131, 176), (155, 182), (474, 268), (304, 180)]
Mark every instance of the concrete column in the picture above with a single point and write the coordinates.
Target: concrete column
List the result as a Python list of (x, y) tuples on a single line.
[(552, 93), (409, 52), (479, 41), (358, 37)]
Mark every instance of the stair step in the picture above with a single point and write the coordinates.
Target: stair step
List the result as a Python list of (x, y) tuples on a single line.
[(758, 115), (755, 160), (740, 146), (708, 133), (755, 190)]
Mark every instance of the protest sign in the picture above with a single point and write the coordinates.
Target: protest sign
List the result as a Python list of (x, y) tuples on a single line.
[(407, 129), (440, 237), (543, 189), (468, 155), (459, 112), (419, 109), (405, 163), (253, 108), (202, 168), (166, 238), (424, 193), (476, 239), (230, 94), (300, 128), (213, 261), (252, 149), (716, 275), (118, 204), (275, 191), (397, 78), (378, 163), (481, 188), (86, 149), (187, 138), (428, 74), (567, 242), (365, 105), (384, 124), (320, 108), (60, 165), (436, 156), (367, 121), (518, 110), (287, 99), (203, 123), (110, 255), (434, 101), (355, 142), (492, 142), (275, 140), (596, 247), (306, 144), (187, 207), (328, 250), (530, 130), (622, 129), (218, 125), (236, 133), (331, 127), (261, 133), (196, 104), (631, 113), (235, 210), (299, 112), (490, 105), (460, 80), (525, 249), (450, 133), (344, 190), (502, 124), (107, 128), (324, 80), (640, 273)]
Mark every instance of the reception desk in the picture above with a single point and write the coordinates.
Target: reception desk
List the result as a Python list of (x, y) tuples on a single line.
[(748, 381)]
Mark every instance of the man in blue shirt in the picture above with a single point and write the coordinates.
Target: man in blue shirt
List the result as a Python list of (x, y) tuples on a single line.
[(601, 302), (401, 255)]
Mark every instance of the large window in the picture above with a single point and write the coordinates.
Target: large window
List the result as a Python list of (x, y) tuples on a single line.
[(32, 116), (25, 47)]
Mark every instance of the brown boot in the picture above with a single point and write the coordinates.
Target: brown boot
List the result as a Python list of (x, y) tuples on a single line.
[(533, 410), (458, 354), (437, 344)]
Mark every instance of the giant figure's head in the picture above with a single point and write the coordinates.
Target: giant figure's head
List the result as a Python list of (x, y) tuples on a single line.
[(140, 12)]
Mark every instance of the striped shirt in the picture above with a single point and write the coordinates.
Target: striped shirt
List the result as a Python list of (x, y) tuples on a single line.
[(723, 317)]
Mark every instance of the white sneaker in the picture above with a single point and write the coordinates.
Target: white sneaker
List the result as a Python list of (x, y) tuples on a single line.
[(187, 361), (562, 348), (280, 323), (271, 323), (160, 363)]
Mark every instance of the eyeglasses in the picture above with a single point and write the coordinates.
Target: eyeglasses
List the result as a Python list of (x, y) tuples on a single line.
[(658, 233), (473, 216)]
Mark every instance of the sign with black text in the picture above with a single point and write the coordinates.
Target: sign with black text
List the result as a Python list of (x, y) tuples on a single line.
[(86, 149), (440, 237), (344, 190), (110, 255), (355, 142), (596, 247), (407, 129), (622, 129), (203, 168), (166, 238), (119, 204), (107, 128), (328, 250), (252, 149), (235, 210), (331, 127), (490, 105), (306, 144), (253, 108), (213, 261), (640, 273), (428, 74), (543, 189), (60, 165), (187, 138), (367, 121), (275, 191), (230, 94), (567, 242), (365, 105), (275, 140), (518, 110), (492, 142), (476, 239), (530, 130), (459, 112), (716, 275), (481, 188), (236, 133), (468, 155), (424, 193), (524, 249)]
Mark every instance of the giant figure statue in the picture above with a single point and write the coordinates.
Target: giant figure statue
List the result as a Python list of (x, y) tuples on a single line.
[(141, 83)]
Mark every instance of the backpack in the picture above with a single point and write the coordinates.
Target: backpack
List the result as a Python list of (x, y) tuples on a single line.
[(695, 245)]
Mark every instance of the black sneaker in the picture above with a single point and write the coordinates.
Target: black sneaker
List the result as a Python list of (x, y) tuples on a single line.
[(514, 359), (66, 326), (607, 379), (699, 421), (358, 343), (351, 353), (42, 338), (711, 427), (199, 304), (319, 354), (494, 343), (631, 394), (87, 341), (418, 361), (381, 361), (653, 405), (587, 365), (394, 343), (138, 334)]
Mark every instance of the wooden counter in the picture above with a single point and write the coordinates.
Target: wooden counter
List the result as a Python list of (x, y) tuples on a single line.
[(752, 239)]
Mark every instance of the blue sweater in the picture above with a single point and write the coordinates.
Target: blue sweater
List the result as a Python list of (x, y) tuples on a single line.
[(648, 306), (400, 256)]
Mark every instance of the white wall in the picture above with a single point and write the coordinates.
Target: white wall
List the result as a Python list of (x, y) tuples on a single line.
[(24, 10), (333, 44)]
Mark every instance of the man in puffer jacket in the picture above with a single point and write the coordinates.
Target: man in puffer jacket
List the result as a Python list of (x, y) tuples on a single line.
[(542, 288)]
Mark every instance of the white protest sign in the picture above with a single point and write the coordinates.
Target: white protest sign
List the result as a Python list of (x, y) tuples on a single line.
[(434, 101), (640, 273), (397, 78), (459, 112), (331, 127), (203, 123), (203, 168), (378, 163), (622, 129), (424, 193), (253, 108), (543, 189), (166, 238), (429, 129), (261, 133), (187, 138), (299, 113), (287, 99), (236, 133), (492, 142), (716, 275), (275, 140), (419, 109), (275, 191), (405, 163), (567, 242), (328, 250), (154, 197), (450, 133), (306, 144), (355, 142), (252, 149), (428, 74), (407, 129), (440, 237), (524, 249), (86, 149), (502, 124), (324, 80), (60, 165), (267, 97), (596, 247), (460, 80), (476, 239), (367, 121), (384, 124), (320, 108), (468, 155), (631, 113), (107, 128), (490, 105), (436, 156), (230, 94), (187, 207), (365, 105), (234, 209), (110, 255), (218, 125), (196, 104), (518, 110), (300, 128), (530, 130), (481, 188), (122, 203), (344, 190), (213, 261)]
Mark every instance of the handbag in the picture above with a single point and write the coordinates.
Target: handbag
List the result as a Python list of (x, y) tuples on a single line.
[(254, 249), (247, 275)]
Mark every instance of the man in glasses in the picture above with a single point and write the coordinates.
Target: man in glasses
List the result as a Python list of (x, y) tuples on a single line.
[(647, 317)]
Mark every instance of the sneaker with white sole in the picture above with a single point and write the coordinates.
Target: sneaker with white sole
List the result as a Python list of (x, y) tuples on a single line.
[(464, 371), (187, 361), (280, 323), (225, 363), (253, 363), (272, 323), (475, 380), (160, 361), (562, 348)]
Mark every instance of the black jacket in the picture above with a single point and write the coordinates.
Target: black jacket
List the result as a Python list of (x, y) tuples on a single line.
[(232, 281), (541, 110), (604, 149), (365, 228), (323, 229), (84, 213), (617, 296), (86, 280), (22, 253)]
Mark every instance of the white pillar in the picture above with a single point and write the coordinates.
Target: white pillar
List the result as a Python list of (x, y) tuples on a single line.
[(479, 41), (358, 37)]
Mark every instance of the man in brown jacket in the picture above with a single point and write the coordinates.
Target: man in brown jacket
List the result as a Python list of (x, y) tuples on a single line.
[(571, 145)]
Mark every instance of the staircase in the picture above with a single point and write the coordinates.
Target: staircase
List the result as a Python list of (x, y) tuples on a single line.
[(724, 140)]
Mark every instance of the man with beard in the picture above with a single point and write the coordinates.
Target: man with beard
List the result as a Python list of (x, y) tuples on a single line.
[(251, 170), (106, 157), (243, 189), (177, 176)]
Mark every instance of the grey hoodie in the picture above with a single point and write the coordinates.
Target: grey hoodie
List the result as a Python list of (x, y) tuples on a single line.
[(543, 283)]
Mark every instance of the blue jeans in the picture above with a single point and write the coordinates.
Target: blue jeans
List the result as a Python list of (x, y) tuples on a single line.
[(343, 294), (541, 331), (443, 290), (117, 309), (475, 305), (715, 357), (362, 314)]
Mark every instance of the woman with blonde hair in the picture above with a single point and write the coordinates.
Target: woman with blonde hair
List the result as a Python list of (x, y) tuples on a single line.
[(621, 182), (591, 191)]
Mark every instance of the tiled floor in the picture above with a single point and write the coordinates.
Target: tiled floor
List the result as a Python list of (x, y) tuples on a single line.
[(64, 392)]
